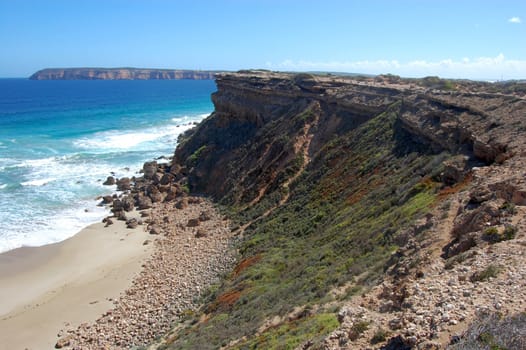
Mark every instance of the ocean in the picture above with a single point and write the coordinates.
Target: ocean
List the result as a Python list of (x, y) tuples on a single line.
[(59, 141)]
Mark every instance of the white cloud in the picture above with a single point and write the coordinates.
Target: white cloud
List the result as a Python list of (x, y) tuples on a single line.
[(484, 68), (514, 20)]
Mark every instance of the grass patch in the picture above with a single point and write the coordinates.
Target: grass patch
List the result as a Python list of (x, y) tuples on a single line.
[(379, 336), (358, 329), (292, 334), (489, 272), (194, 157)]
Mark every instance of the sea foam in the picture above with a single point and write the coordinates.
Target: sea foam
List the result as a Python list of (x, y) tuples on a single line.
[(59, 142)]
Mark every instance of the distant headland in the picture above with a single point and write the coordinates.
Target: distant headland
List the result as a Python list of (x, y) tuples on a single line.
[(121, 74)]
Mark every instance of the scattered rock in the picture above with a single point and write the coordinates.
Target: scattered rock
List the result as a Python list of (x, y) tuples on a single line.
[(149, 170), (193, 223), (107, 221), (167, 179), (107, 199), (204, 216), (127, 203), (182, 204), (201, 233), (121, 215), (144, 202), (132, 223), (172, 276), (124, 184), (110, 181), (63, 342), (155, 230)]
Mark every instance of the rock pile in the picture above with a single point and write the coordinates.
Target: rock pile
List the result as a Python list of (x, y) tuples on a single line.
[(187, 259)]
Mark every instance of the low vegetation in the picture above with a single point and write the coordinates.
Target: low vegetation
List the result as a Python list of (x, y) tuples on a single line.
[(489, 272), (347, 213)]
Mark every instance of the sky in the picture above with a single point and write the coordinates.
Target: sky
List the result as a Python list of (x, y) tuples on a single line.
[(482, 39)]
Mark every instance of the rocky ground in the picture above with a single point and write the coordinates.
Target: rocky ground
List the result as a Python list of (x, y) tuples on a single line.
[(463, 267), (192, 250)]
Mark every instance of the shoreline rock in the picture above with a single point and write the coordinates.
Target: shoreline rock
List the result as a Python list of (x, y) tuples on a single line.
[(185, 261)]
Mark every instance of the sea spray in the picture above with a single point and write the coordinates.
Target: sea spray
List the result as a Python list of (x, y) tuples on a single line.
[(59, 140)]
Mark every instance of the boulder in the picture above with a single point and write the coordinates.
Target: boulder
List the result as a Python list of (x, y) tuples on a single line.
[(175, 169), (171, 194), (107, 221), (107, 199), (480, 194), (193, 223), (124, 184), (182, 203), (149, 170), (110, 181), (128, 203), (201, 233), (117, 205), (156, 178), (204, 216), (455, 170), (487, 214), (144, 202), (511, 190), (167, 179), (120, 215), (194, 200), (156, 197), (63, 342), (132, 223), (155, 230)]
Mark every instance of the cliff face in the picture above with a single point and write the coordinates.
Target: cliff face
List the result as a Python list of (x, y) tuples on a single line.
[(120, 74), (388, 202), (239, 155)]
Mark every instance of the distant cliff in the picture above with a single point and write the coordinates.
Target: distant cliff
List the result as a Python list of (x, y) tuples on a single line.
[(120, 74)]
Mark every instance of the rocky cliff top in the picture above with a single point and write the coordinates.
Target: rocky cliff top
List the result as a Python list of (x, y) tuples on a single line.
[(120, 74)]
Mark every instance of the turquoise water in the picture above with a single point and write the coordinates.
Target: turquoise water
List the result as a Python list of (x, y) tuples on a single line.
[(59, 140)]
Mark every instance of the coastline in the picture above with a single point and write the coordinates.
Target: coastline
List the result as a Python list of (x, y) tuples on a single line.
[(68, 283)]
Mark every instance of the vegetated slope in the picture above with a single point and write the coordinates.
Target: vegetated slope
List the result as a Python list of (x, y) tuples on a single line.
[(335, 185)]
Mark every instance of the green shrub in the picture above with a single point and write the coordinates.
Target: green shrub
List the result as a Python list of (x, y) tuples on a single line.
[(492, 235), (379, 336), (489, 272), (509, 232), (357, 329), (192, 160), (508, 208)]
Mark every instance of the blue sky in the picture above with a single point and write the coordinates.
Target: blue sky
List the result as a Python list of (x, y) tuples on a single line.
[(460, 39)]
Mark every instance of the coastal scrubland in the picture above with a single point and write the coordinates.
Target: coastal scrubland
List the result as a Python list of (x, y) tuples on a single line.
[(373, 212)]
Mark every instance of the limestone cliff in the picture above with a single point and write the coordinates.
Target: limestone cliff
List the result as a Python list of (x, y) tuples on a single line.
[(120, 74), (370, 212), (481, 126)]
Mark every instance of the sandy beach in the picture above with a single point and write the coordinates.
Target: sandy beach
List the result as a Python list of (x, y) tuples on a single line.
[(46, 289)]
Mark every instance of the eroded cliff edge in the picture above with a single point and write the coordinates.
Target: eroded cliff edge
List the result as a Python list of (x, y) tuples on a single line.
[(121, 74), (370, 212)]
